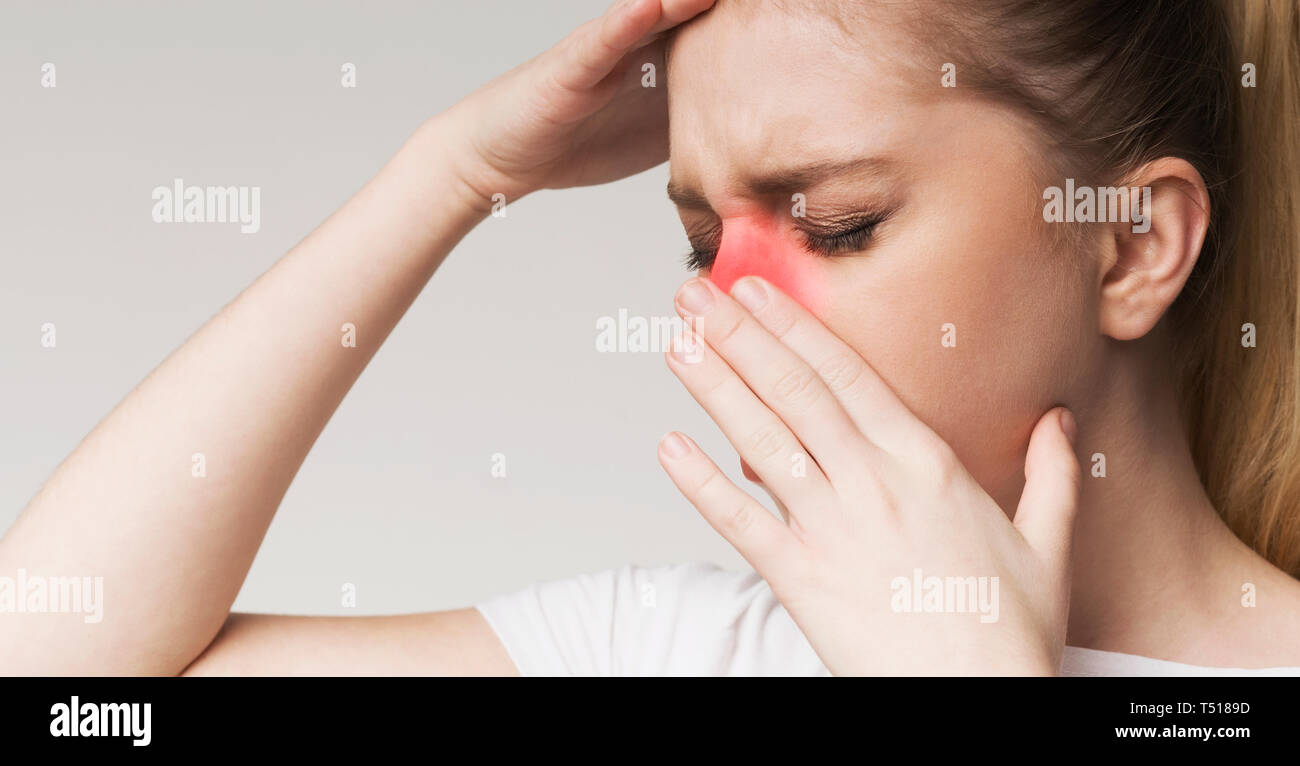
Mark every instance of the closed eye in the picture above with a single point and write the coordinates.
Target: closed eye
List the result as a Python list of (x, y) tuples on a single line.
[(850, 235), (823, 240), (698, 260), (704, 249)]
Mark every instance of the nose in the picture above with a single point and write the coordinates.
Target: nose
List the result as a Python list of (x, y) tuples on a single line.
[(757, 247)]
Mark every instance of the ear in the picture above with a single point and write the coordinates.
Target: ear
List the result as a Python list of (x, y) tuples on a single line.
[(1155, 255)]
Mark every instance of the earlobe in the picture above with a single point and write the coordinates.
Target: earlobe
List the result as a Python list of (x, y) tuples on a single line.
[(1156, 249)]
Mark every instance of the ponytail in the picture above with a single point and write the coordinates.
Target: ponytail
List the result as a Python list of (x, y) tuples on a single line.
[(1241, 363)]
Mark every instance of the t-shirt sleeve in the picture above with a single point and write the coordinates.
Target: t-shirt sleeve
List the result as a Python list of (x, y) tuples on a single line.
[(682, 619)]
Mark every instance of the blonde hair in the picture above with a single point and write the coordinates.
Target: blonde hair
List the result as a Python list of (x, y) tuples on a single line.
[(1242, 404)]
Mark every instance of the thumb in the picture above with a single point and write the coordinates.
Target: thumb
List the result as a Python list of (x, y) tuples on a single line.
[(1045, 516)]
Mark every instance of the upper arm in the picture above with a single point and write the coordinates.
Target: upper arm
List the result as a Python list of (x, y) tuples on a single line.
[(456, 642)]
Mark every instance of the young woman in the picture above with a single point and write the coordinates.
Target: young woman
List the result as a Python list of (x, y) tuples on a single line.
[(1097, 421)]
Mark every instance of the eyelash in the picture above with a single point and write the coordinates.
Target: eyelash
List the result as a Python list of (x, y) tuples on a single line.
[(851, 238)]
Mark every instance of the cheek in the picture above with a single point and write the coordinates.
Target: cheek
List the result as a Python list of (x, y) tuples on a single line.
[(977, 337), (757, 247)]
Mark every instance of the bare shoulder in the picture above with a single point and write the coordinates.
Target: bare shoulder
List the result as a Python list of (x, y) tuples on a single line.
[(1280, 627), (1261, 621), (455, 642)]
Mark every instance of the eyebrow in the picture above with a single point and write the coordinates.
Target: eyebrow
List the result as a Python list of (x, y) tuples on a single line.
[(784, 180)]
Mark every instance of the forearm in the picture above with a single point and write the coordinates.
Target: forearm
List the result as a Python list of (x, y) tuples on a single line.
[(244, 399)]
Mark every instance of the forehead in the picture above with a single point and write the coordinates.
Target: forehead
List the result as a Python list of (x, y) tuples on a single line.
[(751, 84)]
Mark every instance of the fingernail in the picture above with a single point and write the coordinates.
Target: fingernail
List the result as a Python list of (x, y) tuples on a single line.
[(695, 297), (674, 446), (1068, 425), (749, 293)]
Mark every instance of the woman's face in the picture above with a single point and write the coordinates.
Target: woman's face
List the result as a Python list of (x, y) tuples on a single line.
[(767, 104)]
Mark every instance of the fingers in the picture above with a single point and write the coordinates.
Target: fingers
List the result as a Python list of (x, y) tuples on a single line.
[(871, 405), (1045, 515), (777, 375), (595, 48), (765, 442), (780, 505), (676, 12), (757, 535)]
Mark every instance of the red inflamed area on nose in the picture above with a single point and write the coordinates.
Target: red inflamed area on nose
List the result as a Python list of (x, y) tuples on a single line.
[(754, 247)]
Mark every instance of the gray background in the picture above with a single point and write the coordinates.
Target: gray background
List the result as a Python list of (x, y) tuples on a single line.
[(497, 355)]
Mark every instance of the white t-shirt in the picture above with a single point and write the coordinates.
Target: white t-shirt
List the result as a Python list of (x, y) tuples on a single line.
[(697, 619)]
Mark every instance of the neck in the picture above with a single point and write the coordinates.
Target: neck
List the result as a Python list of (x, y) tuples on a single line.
[(1156, 570)]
